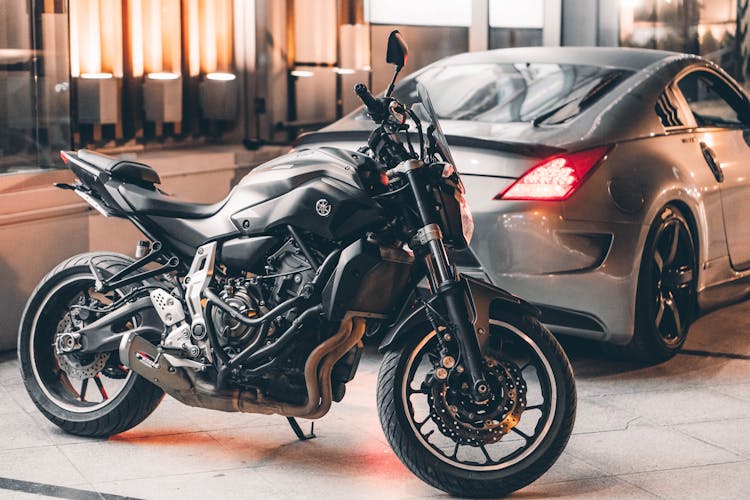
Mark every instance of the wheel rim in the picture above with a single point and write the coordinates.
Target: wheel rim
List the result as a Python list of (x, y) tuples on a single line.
[(80, 384), (518, 440), (673, 278)]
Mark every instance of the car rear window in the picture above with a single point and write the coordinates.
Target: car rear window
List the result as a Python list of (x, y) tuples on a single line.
[(504, 93)]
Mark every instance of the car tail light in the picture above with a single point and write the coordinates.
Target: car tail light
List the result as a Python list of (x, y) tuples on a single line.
[(556, 178)]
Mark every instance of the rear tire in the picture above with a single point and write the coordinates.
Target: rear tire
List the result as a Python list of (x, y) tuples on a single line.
[(470, 478), (666, 297), (45, 374)]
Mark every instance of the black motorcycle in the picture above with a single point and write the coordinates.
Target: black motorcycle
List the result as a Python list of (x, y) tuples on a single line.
[(259, 303)]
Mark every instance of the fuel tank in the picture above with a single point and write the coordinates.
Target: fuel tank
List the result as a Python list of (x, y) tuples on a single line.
[(324, 191)]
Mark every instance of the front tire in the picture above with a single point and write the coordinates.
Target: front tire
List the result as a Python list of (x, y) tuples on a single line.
[(87, 395), (532, 424)]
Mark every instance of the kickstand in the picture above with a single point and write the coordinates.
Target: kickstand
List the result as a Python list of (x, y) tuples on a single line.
[(298, 430)]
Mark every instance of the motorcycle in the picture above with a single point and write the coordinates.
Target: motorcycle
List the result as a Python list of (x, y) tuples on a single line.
[(260, 303)]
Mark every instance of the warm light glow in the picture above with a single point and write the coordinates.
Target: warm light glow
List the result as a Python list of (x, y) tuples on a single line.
[(354, 46), (96, 76), (302, 73), (222, 77), (93, 49), (209, 36), (152, 47), (135, 28), (192, 23), (344, 71), (163, 76), (110, 19), (155, 36), (171, 36), (84, 39)]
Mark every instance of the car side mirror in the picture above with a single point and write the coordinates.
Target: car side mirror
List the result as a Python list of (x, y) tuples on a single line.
[(397, 51)]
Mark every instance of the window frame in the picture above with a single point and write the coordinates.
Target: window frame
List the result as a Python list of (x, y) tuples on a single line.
[(686, 110)]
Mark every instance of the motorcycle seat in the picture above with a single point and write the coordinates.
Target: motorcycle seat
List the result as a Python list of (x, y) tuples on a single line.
[(124, 170), (156, 203)]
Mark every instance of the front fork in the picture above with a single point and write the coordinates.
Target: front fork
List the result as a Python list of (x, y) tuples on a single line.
[(451, 291)]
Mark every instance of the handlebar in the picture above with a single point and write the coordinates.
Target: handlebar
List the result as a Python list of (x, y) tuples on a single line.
[(382, 141), (374, 106)]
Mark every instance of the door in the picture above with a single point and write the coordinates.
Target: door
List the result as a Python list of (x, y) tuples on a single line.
[(722, 120)]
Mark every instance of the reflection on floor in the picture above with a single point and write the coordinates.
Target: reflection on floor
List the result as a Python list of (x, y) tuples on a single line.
[(678, 430)]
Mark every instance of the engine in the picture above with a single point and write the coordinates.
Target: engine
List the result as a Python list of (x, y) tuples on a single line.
[(284, 273)]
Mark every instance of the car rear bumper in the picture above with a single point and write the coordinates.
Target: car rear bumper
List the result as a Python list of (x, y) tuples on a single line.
[(581, 274)]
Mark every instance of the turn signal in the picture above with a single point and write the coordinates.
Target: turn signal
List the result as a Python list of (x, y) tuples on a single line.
[(556, 178)]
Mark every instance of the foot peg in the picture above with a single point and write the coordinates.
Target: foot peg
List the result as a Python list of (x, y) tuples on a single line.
[(298, 430)]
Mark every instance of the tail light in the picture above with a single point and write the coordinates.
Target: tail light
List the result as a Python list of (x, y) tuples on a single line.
[(556, 178)]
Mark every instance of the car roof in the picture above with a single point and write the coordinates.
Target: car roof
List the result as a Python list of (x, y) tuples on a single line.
[(618, 116), (616, 57)]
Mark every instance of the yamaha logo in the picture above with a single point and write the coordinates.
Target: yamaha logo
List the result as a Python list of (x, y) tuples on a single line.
[(323, 207)]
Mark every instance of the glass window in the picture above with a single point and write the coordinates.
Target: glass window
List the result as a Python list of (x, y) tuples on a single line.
[(511, 14), (419, 12), (503, 93), (34, 96), (515, 25), (704, 27), (712, 102)]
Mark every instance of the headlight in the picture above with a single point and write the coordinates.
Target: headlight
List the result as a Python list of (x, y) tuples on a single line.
[(467, 221)]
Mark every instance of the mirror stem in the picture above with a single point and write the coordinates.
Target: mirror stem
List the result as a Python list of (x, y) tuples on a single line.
[(389, 90)]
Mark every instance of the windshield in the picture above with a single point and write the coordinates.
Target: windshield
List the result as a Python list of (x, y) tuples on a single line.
[(505, 93), (424, 98)]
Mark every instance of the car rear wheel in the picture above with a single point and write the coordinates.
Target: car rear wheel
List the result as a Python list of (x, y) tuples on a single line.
[(665, 301)]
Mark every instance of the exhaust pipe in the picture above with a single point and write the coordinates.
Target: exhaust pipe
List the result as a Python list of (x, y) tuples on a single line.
[(144, 358)]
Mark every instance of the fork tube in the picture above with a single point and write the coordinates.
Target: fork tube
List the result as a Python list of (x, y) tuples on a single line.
[(452, 292), (435, 245)]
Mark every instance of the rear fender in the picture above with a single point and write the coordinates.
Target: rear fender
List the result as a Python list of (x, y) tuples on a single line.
[(487, 301), (93, 186)]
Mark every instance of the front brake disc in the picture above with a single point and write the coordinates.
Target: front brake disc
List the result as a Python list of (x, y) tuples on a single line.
[(461, 419)]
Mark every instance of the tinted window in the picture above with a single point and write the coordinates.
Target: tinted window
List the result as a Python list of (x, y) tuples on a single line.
[(713, 103), (503, 93)]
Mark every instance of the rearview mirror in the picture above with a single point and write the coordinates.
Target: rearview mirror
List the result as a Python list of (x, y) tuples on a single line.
[(397, 52)]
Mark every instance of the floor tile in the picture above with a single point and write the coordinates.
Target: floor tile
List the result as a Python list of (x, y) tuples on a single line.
[(642, 449), (731, 435), (727, 481), (681, 406), (44, 465), (599, 488)]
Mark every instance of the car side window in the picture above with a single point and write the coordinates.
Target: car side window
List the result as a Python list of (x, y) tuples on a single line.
[(712, 102)]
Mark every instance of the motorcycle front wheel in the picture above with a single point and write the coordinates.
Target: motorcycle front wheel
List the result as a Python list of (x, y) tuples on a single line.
[(479, 449)]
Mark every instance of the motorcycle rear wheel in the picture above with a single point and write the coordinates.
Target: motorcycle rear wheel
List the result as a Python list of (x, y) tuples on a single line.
[(478, 465), (117, 399)]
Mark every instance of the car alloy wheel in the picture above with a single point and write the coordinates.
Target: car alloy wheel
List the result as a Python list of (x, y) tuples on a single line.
[(673, 276)]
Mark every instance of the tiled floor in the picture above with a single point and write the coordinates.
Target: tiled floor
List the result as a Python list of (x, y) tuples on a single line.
[(678, 430)]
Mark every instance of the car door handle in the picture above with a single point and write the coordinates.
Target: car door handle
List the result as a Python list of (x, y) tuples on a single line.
[(710, 158)]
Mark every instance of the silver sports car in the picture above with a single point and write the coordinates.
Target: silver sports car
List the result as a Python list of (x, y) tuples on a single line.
[(611, 187)]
